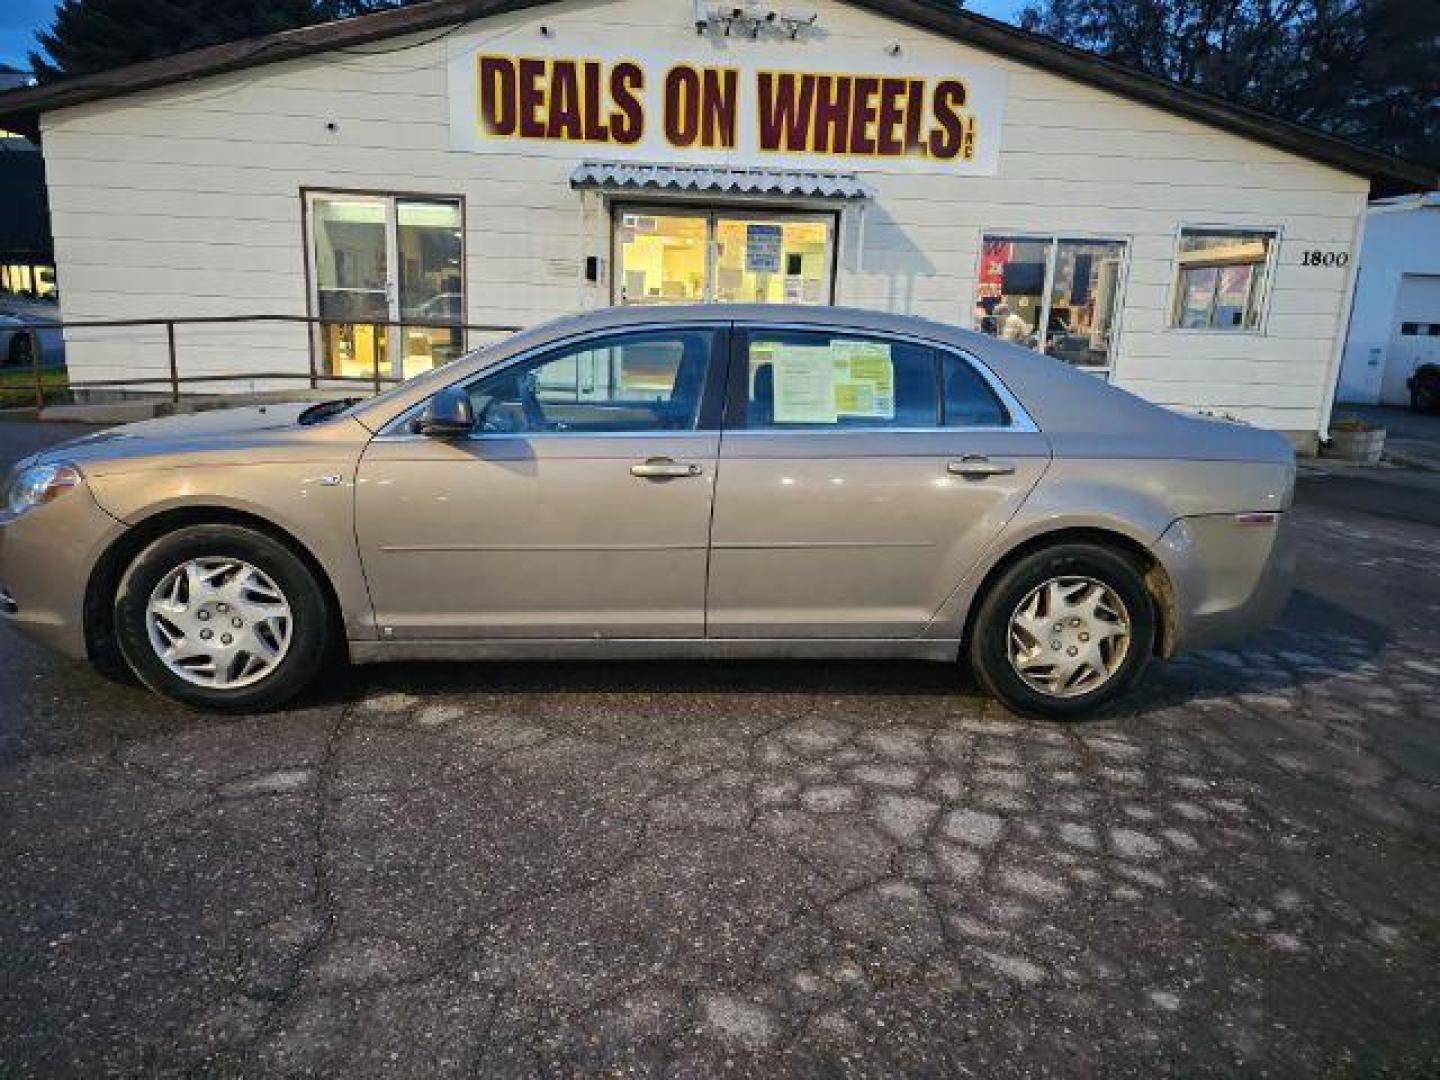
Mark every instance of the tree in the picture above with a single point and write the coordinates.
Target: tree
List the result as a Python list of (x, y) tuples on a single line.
[(1363, 70), (95, 35)]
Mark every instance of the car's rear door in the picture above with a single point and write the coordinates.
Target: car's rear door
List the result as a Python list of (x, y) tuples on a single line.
[(578, 508), (861, 475)]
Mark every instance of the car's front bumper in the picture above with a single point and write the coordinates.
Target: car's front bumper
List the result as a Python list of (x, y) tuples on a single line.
[(46, 557), (1231, 575)]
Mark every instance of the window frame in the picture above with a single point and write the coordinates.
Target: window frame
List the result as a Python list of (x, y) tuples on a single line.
[(1054, 239), (1271, 265), (392, 369), (737, 398)]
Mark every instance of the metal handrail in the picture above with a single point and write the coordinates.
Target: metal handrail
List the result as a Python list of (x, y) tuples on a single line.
[(174, 379)]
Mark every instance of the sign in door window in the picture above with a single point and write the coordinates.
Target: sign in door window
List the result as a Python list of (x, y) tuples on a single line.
[(784, 261), (668, 257)]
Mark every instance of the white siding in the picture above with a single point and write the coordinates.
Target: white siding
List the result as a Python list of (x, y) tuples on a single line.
[(186, 200)]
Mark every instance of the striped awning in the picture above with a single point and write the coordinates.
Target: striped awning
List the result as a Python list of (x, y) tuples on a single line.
[(629, 176)]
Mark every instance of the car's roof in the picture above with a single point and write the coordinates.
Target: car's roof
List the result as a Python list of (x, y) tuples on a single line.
[(823, 315)]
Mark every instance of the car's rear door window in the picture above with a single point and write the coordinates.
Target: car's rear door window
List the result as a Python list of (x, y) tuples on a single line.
[(801, 380), (628, 382)]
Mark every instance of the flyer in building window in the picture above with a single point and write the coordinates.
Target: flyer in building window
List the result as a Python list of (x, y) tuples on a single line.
[(864, 377), (804, 384)]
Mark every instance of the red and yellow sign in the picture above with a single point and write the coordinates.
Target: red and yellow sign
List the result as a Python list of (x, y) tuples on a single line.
[(656, 111)]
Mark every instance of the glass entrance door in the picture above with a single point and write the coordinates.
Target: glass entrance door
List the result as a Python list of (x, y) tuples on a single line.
[(377, 260), (662, 258), (694, 256)]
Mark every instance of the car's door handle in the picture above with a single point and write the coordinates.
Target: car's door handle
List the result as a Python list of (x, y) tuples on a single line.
[(665, 469), (977, 466)]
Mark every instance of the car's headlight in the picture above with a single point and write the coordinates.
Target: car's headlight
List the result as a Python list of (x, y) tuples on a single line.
[(40, 484)]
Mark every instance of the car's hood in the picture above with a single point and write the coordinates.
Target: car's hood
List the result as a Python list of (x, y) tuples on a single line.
[(233, 431)]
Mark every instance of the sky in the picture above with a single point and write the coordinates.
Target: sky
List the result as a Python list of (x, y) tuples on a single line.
[(1008, 10), (19, 19)]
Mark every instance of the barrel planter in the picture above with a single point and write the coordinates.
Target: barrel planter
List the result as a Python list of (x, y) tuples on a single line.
[(1356, 442)]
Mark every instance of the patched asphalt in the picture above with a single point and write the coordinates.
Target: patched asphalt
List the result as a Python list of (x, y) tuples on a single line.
[(748, 868)]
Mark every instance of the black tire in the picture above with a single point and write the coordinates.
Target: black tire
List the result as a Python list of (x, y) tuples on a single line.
[(311, 624), (1425, 390), (989, 638), (22, 349)]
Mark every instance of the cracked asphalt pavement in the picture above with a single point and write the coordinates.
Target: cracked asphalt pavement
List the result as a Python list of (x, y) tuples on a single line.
[(687, 869)]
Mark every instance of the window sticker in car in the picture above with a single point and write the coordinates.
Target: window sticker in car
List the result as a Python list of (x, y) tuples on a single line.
[(864, 379), (804, 384)]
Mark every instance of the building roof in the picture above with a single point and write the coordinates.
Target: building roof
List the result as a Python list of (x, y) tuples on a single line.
[(623, 176), (21, 109), (1425, 200)]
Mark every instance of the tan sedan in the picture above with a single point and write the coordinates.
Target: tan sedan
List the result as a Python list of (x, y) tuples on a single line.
[(691, 482)]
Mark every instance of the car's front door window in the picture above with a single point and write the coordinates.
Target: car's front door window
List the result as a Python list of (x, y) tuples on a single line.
[(632, 382)]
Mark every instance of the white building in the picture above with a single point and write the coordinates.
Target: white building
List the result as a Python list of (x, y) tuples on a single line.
[(505, 161), (1395, 321)]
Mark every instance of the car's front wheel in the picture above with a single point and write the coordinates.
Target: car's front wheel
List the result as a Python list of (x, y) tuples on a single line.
[(222, 617), (1064, 631)]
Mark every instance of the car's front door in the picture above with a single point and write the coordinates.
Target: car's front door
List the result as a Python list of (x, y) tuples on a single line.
[(861, 476), (578, 508)]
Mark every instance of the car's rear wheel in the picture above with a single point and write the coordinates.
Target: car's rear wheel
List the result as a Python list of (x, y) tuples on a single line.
[(222, 617), (1425, 390), (1064, 631)]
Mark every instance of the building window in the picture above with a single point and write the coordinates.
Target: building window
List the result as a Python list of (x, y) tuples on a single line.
[(677, 256), (382, 260), (1222, 278), (1057, 295)]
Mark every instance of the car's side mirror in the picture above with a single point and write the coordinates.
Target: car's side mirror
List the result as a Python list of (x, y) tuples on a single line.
[(447, 415)]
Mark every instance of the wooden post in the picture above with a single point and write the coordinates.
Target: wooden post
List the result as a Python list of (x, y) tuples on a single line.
[(174, 364), (375, 353), (312, 331), (35, 368)]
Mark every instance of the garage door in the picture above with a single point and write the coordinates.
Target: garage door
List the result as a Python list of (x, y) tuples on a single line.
[(1414, 335)]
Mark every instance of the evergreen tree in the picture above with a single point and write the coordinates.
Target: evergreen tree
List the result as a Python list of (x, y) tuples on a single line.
[(1364, 70), (95, 35)]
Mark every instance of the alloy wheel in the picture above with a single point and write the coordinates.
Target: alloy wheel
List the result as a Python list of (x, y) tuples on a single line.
[(1069, 636), (219, 622)]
